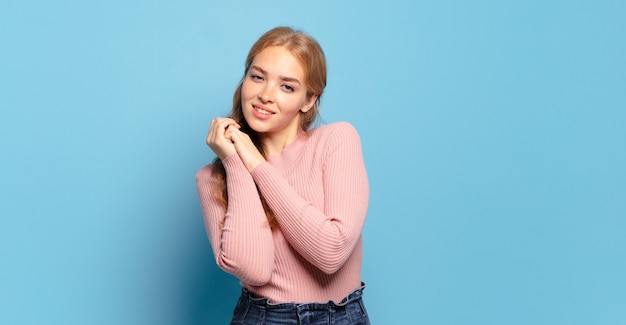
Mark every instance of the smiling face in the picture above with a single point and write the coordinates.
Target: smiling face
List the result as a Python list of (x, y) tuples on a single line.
[(274, 92)]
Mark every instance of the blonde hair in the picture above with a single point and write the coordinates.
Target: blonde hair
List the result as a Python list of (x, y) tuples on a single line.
[(304, 48)]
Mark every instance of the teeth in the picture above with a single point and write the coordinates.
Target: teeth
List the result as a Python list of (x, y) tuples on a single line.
[(262, 111)]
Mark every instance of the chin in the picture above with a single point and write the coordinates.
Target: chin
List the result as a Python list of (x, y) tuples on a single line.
[(255, 126)]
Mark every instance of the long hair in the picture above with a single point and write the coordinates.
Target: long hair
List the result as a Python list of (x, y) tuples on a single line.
[(304, 48)]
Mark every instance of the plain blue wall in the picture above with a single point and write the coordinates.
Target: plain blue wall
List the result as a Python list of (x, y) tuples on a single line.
[(494, 134)]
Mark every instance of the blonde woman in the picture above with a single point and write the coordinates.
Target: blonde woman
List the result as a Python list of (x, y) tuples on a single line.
[(283, 203)]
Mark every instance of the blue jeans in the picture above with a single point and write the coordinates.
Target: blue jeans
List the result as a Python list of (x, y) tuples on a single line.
[(259, 311)]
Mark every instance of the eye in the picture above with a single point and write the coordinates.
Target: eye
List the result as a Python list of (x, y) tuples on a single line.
[(256, 77), (288, 88)]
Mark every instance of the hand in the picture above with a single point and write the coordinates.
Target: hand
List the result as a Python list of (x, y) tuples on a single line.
[(247, 151), (218, 141)]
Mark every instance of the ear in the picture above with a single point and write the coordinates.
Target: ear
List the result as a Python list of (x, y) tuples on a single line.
[(309, 103)]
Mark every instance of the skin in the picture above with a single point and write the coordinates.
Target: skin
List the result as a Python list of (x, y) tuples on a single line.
[(274, 84)]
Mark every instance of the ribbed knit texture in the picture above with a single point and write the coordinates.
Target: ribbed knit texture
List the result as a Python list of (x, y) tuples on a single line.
[(318, 190)]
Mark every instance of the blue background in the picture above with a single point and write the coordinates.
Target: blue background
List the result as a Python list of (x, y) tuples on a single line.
[(494, 134)]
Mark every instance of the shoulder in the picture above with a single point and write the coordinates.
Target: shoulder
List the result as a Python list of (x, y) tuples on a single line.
[(336, 130), (334, 137), (205, 174), (335, 127)]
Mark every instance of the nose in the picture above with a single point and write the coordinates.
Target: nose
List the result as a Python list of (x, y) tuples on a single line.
[(265, 94)]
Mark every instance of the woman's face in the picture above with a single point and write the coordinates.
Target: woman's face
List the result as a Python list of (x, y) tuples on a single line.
[(274, 93)]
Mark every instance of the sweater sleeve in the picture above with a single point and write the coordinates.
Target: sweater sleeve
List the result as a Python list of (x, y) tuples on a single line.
[(326, 238), (240, 235)]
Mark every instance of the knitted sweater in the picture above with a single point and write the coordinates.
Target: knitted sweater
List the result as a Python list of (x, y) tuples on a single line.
[(318, 190)]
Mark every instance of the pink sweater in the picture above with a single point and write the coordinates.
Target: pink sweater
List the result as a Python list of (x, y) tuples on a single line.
[(318, 190)]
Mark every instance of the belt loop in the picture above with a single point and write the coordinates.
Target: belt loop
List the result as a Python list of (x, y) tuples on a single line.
[(263, 314)]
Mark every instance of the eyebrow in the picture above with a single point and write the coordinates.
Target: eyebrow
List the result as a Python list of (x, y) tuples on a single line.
[(290, 79)]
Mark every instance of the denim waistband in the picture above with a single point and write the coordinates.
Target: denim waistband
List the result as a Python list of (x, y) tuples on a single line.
[(265, 303)]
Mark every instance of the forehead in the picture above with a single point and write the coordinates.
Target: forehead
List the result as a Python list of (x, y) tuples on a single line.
[(278, 60)]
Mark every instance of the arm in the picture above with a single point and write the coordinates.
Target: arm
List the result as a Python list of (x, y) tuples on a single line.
[(240, 236), (325, 238)]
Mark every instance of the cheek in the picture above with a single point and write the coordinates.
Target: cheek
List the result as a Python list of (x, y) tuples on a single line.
[(302, 102), (289, 103), (244, 91), (247, 90)]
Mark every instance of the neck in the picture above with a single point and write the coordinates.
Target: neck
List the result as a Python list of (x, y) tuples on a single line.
[(273, 144)]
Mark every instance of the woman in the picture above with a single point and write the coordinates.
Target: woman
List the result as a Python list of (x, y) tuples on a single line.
[(283, 204)]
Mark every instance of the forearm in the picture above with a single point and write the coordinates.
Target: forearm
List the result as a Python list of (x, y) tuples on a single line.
[(325, 238), (240, 235)]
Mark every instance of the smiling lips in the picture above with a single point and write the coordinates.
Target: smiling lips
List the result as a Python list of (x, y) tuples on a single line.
[(261, 112)]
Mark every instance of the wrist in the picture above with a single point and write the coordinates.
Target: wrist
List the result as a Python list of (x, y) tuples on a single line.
[(253, 164)]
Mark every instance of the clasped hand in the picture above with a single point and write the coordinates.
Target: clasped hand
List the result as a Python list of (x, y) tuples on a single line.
[(226, 139)]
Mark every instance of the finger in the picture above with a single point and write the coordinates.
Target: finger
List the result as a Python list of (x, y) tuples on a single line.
[(231, 132), (217, 129), (225, 121), (213, 131), (219, 125)]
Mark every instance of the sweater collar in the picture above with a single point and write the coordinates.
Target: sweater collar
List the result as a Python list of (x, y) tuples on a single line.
[(290, 153)]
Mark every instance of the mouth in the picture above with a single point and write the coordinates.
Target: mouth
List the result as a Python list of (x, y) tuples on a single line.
[(262, 110)]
